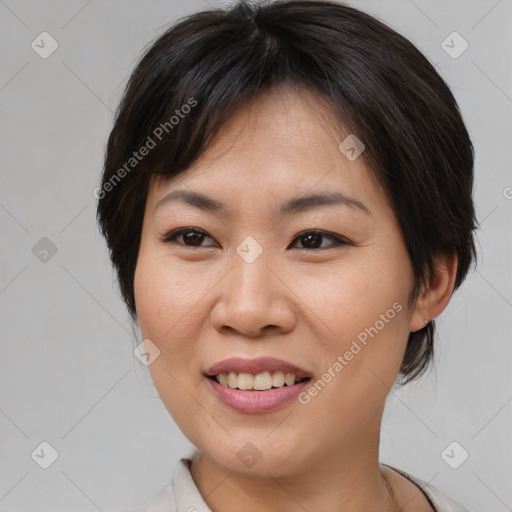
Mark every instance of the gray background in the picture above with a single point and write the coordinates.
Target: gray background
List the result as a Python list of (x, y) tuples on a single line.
[(67, 371)]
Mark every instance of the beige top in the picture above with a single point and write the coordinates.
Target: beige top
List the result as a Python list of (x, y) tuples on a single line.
[(182, 495)]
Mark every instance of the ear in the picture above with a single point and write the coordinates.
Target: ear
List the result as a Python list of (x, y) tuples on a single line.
[(435, 298)]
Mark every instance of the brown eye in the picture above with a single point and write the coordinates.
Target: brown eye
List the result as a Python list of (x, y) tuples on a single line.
[(312, 239), (315, 240), (192, 237)]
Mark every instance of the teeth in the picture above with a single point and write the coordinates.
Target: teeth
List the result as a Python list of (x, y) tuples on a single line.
[(245, 381), (278, 379), (289, 380), (260, 382), (232, 379)]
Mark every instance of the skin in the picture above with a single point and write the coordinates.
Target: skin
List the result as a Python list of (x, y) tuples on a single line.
[(201, 304)]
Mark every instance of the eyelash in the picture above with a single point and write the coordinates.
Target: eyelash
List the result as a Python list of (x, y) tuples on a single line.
[(338, 241)]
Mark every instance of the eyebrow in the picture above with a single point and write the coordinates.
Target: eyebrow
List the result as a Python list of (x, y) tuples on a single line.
[(290, 207)]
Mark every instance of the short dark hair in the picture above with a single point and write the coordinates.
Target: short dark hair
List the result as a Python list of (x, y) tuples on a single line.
[(379, 85)]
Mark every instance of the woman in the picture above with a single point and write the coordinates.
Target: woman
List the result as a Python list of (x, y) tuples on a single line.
[(287, 200)]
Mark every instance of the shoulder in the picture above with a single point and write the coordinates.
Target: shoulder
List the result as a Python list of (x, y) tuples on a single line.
[(439, 500)]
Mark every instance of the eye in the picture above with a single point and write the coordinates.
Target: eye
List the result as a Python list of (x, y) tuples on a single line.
[(192, 237), (313, 239)]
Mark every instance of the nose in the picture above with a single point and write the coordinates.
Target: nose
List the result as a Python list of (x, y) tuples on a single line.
[(254, 300)]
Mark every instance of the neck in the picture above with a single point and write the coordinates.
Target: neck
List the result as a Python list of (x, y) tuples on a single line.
[(345, 477)]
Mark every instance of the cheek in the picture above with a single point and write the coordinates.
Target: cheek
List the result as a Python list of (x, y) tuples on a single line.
[(364, 321), (165, 299), (349, 298), (362, 348), (165, 295)]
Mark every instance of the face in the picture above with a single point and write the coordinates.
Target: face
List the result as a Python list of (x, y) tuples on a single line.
[(264, 273)]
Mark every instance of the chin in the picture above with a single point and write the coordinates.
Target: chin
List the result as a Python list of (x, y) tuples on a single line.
[(255, 455)]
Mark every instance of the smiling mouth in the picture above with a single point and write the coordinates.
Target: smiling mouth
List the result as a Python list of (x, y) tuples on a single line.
[(259, 382)]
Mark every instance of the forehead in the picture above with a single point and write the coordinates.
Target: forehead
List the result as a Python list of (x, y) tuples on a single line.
[(283, 143)]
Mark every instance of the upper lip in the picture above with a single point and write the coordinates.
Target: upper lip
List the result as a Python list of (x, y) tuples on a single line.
[(255, 366)]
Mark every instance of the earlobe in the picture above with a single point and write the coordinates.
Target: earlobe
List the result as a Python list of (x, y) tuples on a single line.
[(435, 298)]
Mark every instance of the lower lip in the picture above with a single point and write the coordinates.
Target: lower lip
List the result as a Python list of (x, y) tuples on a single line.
[(256, 401)]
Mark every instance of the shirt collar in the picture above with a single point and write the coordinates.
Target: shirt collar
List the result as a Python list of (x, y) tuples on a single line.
[(186, 493)]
